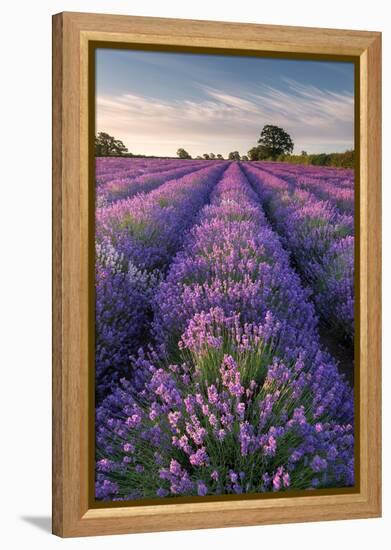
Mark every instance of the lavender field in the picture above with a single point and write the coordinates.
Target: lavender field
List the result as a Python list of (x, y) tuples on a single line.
[(224, 316)]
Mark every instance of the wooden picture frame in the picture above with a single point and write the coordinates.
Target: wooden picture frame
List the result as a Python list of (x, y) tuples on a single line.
[(72, 512)]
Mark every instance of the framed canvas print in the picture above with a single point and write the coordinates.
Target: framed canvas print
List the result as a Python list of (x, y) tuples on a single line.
[(216, 295)]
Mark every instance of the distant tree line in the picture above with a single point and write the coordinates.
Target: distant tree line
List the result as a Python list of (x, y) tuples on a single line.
[(337, 160), (182, 154), (274, 144), (234, 155)]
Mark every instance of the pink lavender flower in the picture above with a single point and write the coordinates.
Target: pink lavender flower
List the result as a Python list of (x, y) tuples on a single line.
[(213, 396), (175, 467), (270, 447), (199, 458), (231, 376)]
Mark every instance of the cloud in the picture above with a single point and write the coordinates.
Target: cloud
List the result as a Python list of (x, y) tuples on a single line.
[(221, 120)]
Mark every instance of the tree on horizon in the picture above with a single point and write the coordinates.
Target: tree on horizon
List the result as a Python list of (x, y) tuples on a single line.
[(234, 155), (107, 146), (276, 141), (183, 154)]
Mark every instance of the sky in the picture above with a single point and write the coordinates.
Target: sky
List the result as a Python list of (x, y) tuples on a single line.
[(157, 102)]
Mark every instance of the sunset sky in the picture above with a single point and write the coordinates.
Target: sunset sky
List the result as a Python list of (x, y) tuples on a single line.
[(157, 102)]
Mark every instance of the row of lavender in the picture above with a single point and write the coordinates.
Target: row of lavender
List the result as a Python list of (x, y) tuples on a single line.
[(334, 185), (340, 176), (135, 241), (238, 396), (130, 179), (108, 168), (321, 240)]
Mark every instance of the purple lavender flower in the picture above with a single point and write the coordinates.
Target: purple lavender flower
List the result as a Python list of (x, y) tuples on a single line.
[(202, 489), (318, 464)]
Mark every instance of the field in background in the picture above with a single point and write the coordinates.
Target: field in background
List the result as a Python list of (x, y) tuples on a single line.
[(224, 296)]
